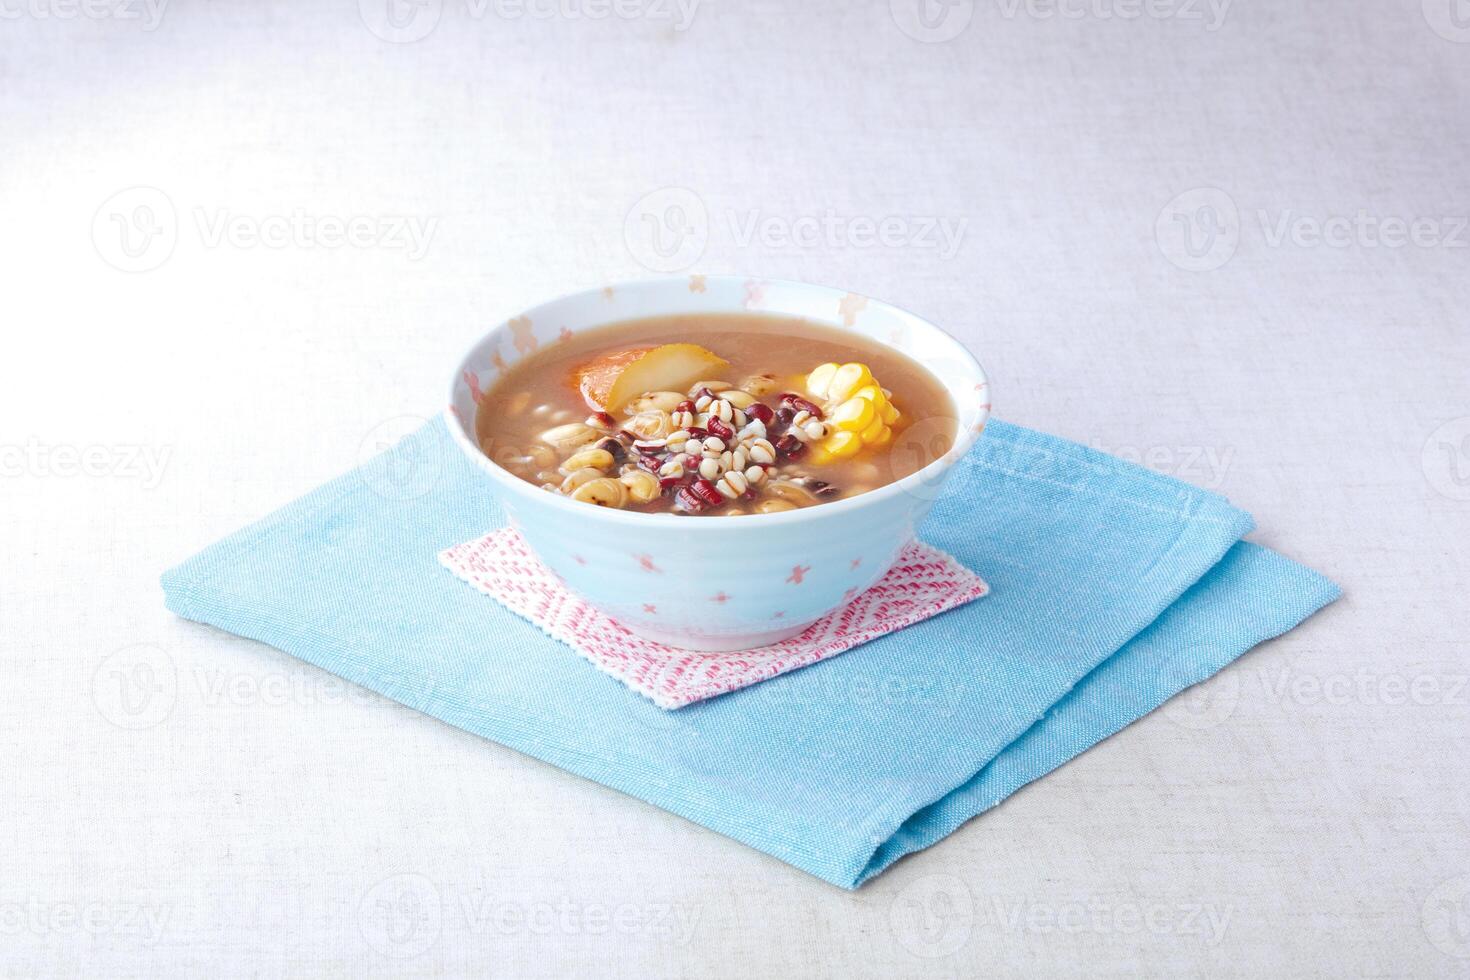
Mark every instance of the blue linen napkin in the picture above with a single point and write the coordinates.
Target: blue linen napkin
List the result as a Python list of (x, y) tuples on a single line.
[(1113, 588)]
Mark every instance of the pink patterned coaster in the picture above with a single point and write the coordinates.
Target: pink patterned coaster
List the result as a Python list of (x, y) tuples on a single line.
[(922, 583)]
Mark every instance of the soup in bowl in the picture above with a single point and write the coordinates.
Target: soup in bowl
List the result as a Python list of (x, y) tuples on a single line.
[(619, 426)]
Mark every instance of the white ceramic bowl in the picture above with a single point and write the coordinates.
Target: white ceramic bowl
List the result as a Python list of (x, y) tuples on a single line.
[(709, 583)]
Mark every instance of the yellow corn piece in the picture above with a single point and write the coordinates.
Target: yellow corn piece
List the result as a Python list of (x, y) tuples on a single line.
[(853, 415), (842, 444), (873, 432), (857, 407), (874, 394), (848, 379), (819, 380)]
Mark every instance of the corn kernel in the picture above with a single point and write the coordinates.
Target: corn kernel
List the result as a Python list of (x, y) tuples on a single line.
[(820, 379), (877, 396), (883, 439), (848, 379), (853, 415), (843, 444), (872, 433)]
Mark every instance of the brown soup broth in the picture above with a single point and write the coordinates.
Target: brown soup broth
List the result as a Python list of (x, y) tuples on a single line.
[(534, 420)]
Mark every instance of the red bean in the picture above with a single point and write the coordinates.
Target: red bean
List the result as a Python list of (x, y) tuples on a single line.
[(790, 446), (799, 404), (760, 412), (698, 497)]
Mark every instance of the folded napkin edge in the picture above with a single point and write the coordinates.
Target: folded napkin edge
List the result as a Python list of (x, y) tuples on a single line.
[(1312, 592)]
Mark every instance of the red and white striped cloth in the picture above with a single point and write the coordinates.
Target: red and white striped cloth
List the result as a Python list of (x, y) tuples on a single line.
[(922, 583)]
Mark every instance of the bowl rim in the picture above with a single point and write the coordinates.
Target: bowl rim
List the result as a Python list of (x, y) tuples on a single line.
[(930, 474)]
